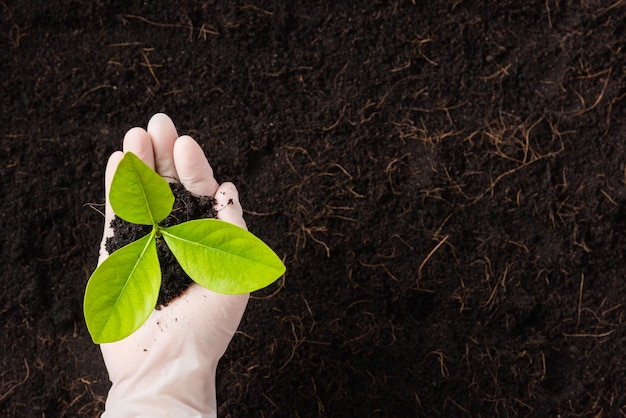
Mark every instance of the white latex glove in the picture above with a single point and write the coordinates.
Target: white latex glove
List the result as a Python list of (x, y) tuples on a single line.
[(167, 367)]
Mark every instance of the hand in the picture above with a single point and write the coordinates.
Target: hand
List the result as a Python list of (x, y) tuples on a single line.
[(167, 367)]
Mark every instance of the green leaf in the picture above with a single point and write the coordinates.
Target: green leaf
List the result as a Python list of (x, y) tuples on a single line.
[(138, 194), (223, 257), (123, 291)]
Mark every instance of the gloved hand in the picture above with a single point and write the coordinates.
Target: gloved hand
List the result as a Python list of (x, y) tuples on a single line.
[(167, 367)]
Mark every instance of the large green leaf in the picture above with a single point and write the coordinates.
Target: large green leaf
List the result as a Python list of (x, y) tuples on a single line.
[(223, 257), (138, 194), (123, 291)]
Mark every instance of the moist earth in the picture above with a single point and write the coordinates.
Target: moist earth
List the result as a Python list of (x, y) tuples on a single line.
[(444, 180), (187, 207)]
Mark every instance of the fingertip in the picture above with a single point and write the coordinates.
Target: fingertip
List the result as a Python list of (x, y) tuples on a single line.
[(138, 141), (227, 205), (112, 163), (109, 172), (160, 118), (194, 170), (163, 133)]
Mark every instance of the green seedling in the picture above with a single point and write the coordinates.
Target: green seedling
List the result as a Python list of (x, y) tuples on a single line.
[(123, 290)]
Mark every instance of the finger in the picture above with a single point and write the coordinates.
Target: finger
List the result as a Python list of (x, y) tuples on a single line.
[(194, 171), (138, 141), (163, 134), (227, 205), (112, 164)]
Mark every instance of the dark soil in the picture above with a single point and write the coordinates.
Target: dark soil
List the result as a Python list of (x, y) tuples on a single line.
[(445, 181), (174, 280)]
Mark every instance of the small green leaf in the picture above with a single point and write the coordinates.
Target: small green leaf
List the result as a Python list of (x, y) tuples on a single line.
[(138, 194), (123, 291), (223, 257)]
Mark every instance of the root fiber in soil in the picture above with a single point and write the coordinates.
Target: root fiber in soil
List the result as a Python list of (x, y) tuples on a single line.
[(444, 180)]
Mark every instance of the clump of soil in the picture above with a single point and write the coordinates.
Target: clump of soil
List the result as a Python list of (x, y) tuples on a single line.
[(174, 280)]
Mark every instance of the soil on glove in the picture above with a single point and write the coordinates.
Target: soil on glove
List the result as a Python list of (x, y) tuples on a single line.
[(187, 207), (444, 180)]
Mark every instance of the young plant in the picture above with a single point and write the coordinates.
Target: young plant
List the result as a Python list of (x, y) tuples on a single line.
[(123, 290)]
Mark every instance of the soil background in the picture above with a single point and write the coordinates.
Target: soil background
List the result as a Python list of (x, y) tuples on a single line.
[(445, 181)]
